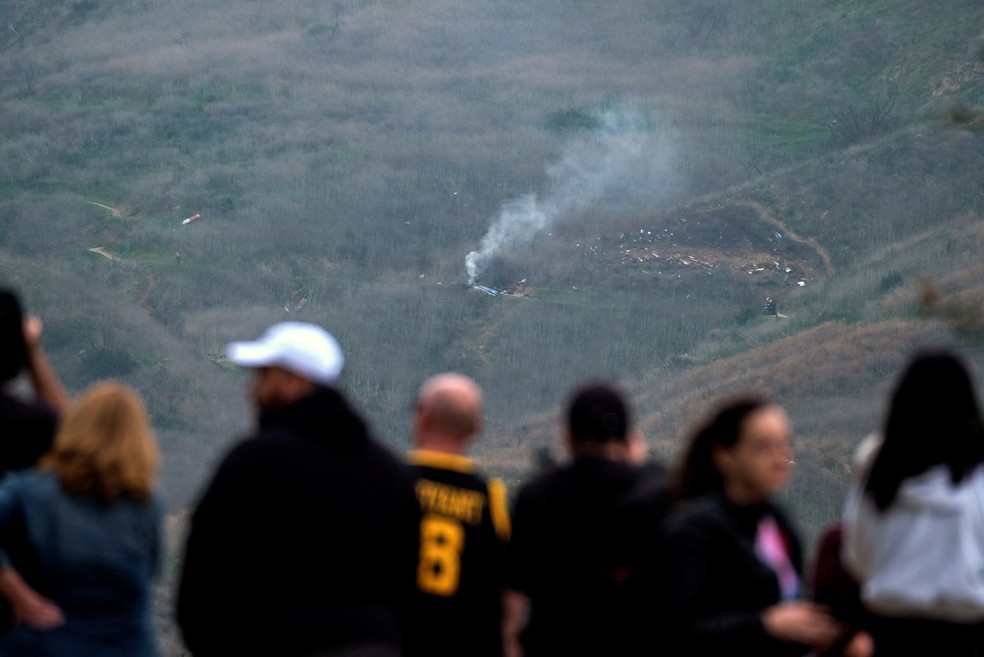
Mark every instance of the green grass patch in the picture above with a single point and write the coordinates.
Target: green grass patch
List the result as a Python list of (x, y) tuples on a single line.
[(792, 137)]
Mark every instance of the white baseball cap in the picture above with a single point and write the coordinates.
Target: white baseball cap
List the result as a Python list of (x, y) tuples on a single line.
[(303, 349)]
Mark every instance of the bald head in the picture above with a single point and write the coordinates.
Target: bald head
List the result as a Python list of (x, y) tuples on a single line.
[(449, 412)]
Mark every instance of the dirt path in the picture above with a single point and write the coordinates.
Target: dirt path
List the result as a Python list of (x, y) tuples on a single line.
[(810, 242), (104, 253), (116, 212)]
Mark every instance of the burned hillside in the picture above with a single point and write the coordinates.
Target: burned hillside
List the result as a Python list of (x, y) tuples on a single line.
[(739, 238)]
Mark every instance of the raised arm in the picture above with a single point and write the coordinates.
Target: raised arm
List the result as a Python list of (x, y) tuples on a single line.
[(515, 608), (30, 608), (47, 387)]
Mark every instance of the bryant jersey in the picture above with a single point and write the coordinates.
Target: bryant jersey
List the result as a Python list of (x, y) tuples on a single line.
[(460, 576)]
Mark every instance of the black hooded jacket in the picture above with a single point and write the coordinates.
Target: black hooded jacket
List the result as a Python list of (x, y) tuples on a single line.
[(305, 539), (718, 587)]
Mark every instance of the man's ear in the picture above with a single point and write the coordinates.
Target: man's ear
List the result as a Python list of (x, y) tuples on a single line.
[(422, 414)]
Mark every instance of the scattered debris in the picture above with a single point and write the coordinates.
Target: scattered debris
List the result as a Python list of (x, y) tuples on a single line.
[(519, 289), (487, 290), (296, 301)]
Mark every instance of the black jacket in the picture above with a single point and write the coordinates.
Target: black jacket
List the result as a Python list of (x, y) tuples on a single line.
[(27, 431), (584, 551), (717, 586), (305, 539)]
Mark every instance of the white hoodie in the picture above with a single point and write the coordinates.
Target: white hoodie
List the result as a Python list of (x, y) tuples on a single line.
[(924, 555)]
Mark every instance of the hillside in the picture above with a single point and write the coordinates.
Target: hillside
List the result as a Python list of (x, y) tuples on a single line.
[(640, 179)]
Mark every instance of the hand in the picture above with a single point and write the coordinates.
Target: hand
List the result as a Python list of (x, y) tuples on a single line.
[(860, 645), (515, 610), (800, 622), (29, 607), (32, 332), (37, 612), (512, 648), (638, 449), (47, 388)]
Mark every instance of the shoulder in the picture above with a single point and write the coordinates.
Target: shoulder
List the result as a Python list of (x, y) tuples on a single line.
[(30, 489), (448, 469), (239, 472), (381, 461), (650, 484), (253, 451), (545, 487), (424, 459), (15, 483), (704, 514), (30, 480)]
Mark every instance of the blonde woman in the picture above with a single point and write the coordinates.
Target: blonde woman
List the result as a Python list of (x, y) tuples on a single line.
[(83, 532)]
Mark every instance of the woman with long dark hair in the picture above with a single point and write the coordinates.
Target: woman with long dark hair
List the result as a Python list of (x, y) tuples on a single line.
[(914, 528), (734, 560)]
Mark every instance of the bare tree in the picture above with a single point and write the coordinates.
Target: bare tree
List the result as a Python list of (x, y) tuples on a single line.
[(851, 125)]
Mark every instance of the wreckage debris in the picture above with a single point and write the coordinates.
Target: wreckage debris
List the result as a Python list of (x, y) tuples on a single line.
[(487, 290), (520, 289)]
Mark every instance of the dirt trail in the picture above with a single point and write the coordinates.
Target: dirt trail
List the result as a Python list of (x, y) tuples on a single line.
[(116, 212), (810, 242), (104, 253)]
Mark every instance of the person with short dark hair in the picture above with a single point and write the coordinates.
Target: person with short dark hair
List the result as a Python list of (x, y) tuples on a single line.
[(914, 527), (735, 575), (305, 541), (27, 426), (465, 526), (584, 555)]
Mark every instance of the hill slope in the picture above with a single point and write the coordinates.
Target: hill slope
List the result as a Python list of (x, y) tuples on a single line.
[(345, 157)]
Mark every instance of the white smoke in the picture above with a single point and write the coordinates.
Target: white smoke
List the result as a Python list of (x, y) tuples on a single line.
[(622, 156)]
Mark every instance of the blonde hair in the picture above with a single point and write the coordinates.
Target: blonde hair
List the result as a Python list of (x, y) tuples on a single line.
[(105, 446)]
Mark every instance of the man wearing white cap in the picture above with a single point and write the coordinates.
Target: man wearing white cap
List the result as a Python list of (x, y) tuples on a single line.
[(305, 542)]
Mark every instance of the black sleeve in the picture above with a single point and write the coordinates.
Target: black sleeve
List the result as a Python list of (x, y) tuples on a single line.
[(693, 546), (29, 431), (210, 565)]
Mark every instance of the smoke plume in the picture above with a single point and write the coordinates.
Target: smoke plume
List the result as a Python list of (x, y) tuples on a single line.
[(622, 159)]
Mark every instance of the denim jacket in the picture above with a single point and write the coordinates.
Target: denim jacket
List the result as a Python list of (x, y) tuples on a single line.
[(95, 560)]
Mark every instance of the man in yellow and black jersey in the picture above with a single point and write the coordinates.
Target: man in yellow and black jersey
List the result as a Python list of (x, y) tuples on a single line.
[(464, 529)]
